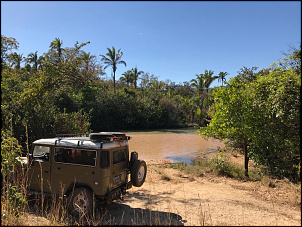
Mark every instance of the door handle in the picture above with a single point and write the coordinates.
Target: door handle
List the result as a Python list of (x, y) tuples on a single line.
[(59, 168), (45, 171)]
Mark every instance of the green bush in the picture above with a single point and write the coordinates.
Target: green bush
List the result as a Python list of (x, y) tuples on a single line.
[(16, 200), (223, 167)]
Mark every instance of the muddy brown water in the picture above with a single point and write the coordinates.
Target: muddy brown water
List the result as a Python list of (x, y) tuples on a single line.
[(180, 145)]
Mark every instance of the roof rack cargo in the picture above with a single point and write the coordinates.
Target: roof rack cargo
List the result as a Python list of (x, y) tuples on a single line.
[(108, 136)]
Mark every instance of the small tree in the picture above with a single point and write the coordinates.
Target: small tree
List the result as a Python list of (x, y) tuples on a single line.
[(232, 116)]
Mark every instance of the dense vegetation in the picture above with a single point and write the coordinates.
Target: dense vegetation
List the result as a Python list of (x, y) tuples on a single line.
[(66, 91), (260, 114)]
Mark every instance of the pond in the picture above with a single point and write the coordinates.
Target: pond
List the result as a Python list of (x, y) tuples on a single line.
[(177, 145)]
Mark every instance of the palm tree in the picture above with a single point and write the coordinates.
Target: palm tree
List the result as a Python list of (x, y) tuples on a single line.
[(202, 84), (56, 45), (33, 58), (40, 62), (208, 79), (222, 76), (112, 60), (135, 75), (198, 83), (127, 77)]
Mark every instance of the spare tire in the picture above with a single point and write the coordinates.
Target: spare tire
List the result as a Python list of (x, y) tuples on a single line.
[(138, 173)]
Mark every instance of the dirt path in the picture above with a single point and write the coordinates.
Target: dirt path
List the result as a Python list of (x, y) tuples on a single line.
[(184, 200)]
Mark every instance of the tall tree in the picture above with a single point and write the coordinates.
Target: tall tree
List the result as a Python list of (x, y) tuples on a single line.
[(56, 46), (112, 59), (127, 77), (32, 58), (198, 83), (89, 66), (208, 79), (7, 45), (221, 77), (16, 59), (136, 74)]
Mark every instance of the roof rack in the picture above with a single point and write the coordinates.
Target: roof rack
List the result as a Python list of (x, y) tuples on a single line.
[(97, 136), (72, 135)]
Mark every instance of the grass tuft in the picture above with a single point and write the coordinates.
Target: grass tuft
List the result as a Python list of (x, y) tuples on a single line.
[(219, 165)]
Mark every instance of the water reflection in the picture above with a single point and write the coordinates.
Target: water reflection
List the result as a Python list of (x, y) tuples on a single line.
[(184, 159)]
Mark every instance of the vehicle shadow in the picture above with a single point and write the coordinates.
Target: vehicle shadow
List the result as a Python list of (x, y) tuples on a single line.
[(116, 213), (122, 214)]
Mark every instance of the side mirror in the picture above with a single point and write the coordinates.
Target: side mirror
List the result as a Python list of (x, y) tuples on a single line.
[(46, 156)]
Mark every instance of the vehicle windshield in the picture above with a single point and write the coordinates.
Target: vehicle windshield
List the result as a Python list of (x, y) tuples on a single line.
[(40, 151)]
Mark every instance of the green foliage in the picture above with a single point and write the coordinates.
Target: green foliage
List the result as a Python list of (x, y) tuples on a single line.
[(261, 113), (179, 165), (68, 123), (10, 150), (276, 143), (224, 167), (16, 200), (7, 45), (232, 113)]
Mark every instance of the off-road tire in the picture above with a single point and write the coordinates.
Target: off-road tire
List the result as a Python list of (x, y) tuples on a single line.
[(80, 202), (138, 173)]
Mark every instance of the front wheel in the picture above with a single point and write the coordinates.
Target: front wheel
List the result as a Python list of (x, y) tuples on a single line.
[(80, 202), (138, 173)]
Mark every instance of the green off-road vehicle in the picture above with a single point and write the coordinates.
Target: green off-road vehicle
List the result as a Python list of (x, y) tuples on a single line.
[(85, 169)]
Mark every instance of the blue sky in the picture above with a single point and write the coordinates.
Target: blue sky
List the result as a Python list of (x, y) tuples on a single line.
[(171, 39)]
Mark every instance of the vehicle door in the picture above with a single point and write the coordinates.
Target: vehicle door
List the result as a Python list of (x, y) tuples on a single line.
[(40, 167), (119, 166), (73, 166)]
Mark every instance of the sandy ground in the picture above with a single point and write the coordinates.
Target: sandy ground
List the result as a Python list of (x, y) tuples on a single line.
[(186, 200)]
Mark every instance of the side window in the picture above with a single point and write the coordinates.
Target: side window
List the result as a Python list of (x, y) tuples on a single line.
[(42, 152), (75, 156), (119, 156), (105, 159)]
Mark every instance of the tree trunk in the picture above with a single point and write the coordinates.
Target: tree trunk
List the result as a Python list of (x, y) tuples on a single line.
[(246, 161), (114, 81)]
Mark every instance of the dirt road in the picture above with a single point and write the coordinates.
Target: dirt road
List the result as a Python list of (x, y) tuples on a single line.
[(186, 200)]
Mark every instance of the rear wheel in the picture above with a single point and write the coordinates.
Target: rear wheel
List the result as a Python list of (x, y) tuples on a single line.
[(80, 202), (138, 173)]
